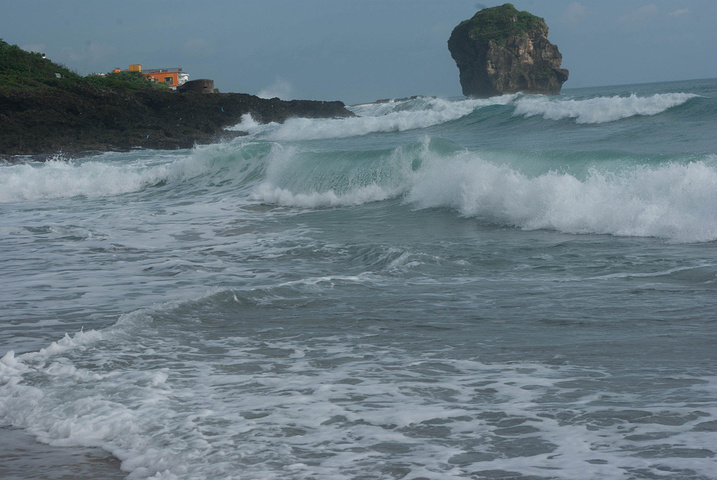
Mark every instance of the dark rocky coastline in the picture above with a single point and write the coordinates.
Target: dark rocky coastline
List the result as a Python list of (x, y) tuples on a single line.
[(46, 109), (84, 119)]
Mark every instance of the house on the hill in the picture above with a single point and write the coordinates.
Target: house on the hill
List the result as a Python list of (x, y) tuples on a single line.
[(172, 77)]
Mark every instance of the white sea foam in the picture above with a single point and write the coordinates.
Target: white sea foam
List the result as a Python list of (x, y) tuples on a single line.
[(331, 408), (250, 126), (372, 118), (66, 179), (67, 342), (107, 175), (282, 196), (59, 179), (673, 201), (599, 109)]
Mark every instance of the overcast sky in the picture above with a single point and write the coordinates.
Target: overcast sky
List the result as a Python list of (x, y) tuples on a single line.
[(356, 50)]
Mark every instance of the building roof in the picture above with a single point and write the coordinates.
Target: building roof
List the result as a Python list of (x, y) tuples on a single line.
[(161, 70)]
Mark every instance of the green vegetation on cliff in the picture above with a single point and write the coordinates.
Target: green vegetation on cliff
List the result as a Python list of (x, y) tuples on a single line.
[(130, 81), (22, 71), (26, 70), (496, 24)]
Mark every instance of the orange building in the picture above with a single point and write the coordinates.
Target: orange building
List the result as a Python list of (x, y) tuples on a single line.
[(173, 77), (170, 76)]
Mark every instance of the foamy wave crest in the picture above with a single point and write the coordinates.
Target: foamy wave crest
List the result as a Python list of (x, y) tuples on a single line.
[(59, 179), (600, 109), (674, 201), (102, 177), (372, 118), (281, 196), (12, 368)]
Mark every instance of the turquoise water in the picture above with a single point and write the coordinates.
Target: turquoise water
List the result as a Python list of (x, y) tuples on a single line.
[(516, 287)]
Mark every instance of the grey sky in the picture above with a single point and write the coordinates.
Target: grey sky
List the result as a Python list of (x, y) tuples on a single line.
[(358, 50)]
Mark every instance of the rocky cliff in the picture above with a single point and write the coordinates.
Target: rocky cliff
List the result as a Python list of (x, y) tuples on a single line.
[(503, 50), (46, 108), (81, 119)]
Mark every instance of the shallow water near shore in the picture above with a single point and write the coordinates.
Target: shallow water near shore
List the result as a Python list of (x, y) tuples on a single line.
[(516, 287), (22, 457)]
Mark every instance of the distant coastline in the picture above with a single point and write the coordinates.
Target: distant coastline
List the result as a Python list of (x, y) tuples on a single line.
[(46, 109)]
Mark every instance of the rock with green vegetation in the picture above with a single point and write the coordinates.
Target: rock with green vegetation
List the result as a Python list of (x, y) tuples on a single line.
[(503, 50), (45, 108)]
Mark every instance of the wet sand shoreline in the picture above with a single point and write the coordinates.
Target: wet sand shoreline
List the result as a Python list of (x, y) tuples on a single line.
[(23, 458)]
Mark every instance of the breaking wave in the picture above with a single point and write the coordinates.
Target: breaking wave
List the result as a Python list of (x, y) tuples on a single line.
[(600, 109), (423, 112), (673, 200), (118, 174), (397, 116)]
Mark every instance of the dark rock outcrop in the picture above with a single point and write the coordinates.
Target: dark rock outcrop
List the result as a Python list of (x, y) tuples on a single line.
[(84, 119), (503, 50)]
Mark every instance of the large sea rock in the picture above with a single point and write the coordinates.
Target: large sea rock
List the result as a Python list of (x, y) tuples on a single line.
[(503, 50)]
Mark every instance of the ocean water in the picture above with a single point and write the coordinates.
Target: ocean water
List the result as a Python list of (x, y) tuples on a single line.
[(521, 287)]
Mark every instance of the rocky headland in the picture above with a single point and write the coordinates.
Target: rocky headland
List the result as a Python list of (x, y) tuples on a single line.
[(502, 50), (47, 109)]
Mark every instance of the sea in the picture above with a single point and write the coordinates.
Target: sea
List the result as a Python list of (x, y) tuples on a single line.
[(519, 287)]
